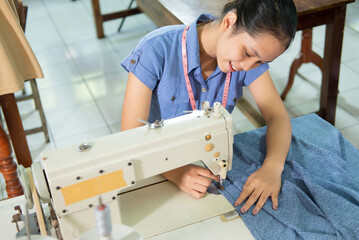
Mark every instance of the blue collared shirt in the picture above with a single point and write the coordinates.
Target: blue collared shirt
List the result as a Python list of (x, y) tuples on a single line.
[(157, 62)]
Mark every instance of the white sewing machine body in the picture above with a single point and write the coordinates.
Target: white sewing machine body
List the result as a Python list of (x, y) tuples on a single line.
[(128, 160)]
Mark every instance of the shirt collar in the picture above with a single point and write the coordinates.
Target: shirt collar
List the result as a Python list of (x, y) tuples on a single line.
[(193, 43)]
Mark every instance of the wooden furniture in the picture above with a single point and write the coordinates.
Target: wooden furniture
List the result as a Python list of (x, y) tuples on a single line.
[(310, 14), (15, 129), (18, 64), (8, 167), (306, 55), (101, 18), (35, 95)]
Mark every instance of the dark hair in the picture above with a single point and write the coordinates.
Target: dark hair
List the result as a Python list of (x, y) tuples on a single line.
[(276, 17)]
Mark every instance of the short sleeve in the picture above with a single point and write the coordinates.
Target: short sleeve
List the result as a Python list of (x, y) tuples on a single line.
[(146, 64), (253, 74)]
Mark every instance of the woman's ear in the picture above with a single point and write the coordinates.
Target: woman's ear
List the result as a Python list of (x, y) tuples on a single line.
[(229, 20)]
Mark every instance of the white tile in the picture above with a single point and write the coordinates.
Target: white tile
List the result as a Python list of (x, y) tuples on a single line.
[(296, 43), (350, 49), (352, 19), (352, 135), (147, 23), (44, 41), (37, 140), (303, 109), (78, 32), (75, 120), (344, 119), (111, 108), (108, 85), (291, 54), (37, 151), (319, 35), (59, 7), (300, 93), (52, 56), (59, 74), (349, 102), (39, 26), (82, 137), (89, 47), (25, 106), (352, 9), (124, 46), (348, 79), (132, 30), (65, 96), (70, 19), (35, 10), (353, 65), (110, 6), (41, 33), (31, 119), (116, 127), (33, 3), (94, 66), (87, 4), (279, 69)]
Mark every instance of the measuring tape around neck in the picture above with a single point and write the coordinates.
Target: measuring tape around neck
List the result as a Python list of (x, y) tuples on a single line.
[(188, 83)]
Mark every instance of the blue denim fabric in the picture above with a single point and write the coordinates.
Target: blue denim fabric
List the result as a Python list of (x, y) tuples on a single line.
[(319, 198)]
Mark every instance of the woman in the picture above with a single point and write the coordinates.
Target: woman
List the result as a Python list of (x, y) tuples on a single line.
[(175, 68)]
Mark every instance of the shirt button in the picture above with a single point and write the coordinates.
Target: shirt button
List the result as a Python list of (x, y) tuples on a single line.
[(234, 99), (173, 98), (133, 61), (203, 89)]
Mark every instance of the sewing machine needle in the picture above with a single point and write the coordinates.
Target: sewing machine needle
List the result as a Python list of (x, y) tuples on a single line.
[(221, 181)]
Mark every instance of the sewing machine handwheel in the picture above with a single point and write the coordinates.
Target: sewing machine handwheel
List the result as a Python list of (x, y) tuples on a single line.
[(40, 182)]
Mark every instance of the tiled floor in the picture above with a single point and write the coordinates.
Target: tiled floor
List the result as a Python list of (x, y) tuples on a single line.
[(84, 84)]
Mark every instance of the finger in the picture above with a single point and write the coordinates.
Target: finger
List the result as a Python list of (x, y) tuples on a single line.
[(207, 173), (244, 194), (199, 188), (263, 198), (251, 200), (202, 181), (196, 194), (275, 200)]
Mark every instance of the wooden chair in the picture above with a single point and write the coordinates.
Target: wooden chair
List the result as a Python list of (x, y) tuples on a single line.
[(101, 18), (22, 13)]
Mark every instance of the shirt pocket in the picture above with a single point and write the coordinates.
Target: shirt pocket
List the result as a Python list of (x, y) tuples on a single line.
[(173, 101)]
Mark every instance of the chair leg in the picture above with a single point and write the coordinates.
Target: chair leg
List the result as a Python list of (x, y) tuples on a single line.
[(36, 96), (306, 56), (293, 70), (16, 129), (8, 167), (123, 19)]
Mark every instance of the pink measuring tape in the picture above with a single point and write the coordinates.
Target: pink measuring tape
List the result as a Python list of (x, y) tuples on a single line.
[(188, 84)]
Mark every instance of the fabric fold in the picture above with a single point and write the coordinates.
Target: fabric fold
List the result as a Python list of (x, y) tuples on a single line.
[(319, 197)]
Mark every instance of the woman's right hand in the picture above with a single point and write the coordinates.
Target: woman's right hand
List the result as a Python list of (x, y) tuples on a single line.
[(191, 179)]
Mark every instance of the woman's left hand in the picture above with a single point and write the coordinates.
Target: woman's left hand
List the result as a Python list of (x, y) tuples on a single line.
[(263, 183)]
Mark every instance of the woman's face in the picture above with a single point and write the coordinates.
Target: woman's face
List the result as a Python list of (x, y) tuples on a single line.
[(242, 52)]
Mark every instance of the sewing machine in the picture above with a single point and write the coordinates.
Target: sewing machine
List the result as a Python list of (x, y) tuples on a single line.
[(125, 168)]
